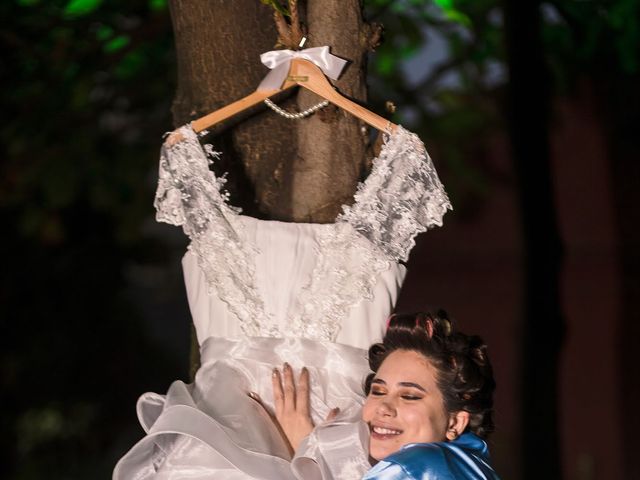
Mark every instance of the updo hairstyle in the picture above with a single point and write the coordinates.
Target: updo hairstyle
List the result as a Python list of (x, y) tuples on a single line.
[(464, 373)]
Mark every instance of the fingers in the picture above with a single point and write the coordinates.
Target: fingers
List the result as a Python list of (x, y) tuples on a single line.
[(302, 397), (289, 389), (255, 396), (284, 390), (288, 396), (333, 413), (278, 393), (292, 404)]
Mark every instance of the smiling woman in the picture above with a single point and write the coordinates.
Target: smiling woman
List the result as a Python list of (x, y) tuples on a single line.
[(428, 407), (406, 406), (429, 402)]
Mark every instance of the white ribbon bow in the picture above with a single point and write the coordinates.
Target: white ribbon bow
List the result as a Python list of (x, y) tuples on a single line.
[(279, 61)]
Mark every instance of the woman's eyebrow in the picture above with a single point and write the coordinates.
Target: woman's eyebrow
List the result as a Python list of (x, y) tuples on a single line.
[(412, 385), (378, 381)]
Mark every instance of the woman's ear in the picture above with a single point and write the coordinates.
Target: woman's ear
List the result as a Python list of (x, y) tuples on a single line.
[(458, 422)]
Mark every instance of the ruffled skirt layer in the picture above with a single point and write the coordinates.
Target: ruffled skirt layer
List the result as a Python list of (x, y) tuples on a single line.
[(212, 429)]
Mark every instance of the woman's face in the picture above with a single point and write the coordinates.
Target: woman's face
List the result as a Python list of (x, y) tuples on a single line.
[(404, 404)]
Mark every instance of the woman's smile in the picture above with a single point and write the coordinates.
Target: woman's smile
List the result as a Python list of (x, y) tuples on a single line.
[(382, 433)]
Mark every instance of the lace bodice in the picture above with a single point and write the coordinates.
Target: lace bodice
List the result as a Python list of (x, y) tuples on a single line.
[(338, 266)]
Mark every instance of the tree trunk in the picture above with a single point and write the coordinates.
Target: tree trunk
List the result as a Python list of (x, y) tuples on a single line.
[(331, 145), (622, 105), (280, 169), (543, 329), (289, 170)]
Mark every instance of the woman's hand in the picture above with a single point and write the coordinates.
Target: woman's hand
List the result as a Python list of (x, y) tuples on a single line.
[(292, 404), (291, 401)]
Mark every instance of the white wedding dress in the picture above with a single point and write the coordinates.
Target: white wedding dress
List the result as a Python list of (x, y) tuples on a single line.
[(265, 292)]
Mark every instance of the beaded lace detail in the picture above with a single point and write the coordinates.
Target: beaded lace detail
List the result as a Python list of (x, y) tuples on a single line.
[(401, 197), (347, 270), (189, 194)]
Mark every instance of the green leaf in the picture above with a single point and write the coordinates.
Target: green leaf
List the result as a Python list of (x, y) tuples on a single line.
[(408, 51), (444, 4), (385, 63), (157, 5), (116, 43), (129, 65), (458, 17), (78, 8), (276, 5), (104, 32)]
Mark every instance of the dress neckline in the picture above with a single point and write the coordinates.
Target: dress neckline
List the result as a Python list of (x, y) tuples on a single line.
[(389, 139), (401, 197)]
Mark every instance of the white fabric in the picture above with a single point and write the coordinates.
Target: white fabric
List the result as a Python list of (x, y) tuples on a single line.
[(212, 428), (283, 265), (265, 292), (338, 265)]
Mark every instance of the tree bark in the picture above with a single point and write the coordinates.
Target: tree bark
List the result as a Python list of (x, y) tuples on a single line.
[(288, 170), (331, 145), (281, 169), (543, 329)]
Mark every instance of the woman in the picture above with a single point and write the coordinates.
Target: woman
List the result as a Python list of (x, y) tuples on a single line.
[(428, 407)]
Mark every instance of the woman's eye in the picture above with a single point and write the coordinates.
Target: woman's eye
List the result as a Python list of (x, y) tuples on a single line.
[(376, 392), (411, 397)]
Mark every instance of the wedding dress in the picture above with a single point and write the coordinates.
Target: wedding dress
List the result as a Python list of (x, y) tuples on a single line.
[(264, 292)]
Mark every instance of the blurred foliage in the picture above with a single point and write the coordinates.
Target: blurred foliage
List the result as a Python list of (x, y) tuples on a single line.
[(91, 84), (591, 37), (86, 98), (87, 87), (442, 65)]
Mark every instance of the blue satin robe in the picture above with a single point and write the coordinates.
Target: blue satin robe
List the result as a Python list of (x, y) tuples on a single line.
[(466, 458)]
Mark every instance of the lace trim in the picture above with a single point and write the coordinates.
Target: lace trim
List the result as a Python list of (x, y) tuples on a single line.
[(401, 198), (347, 270), (190, 195)]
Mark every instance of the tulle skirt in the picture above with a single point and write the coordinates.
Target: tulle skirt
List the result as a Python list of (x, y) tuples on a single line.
[(212, 429)]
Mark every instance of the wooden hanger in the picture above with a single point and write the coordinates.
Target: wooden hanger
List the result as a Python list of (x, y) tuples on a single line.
[(305, 74)]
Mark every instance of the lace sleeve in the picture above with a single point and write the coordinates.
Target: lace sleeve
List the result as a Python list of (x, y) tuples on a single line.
[(402, 197), (190, 195), (187, 189)]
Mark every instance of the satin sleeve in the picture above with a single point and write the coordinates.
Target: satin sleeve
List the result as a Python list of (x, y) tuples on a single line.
[(466, 458), (388, 471)]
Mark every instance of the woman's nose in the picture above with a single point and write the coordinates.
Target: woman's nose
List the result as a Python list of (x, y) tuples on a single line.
[(386, 409)]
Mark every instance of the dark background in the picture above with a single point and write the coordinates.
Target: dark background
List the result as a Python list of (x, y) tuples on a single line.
[(531, 112)]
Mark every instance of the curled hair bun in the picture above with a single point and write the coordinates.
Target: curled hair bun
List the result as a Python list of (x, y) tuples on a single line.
[(422, 323), (465, 375)]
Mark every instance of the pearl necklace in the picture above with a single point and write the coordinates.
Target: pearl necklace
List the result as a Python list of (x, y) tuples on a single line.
[(296, 115)]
